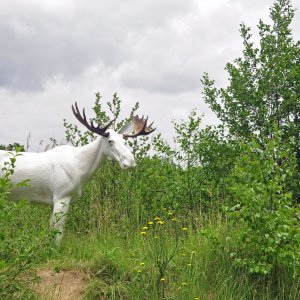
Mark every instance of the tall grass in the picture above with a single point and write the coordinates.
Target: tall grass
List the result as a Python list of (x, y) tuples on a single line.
[(123, 265), (107, 244)]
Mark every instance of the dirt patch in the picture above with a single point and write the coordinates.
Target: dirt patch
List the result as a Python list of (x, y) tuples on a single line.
[(61, 285)]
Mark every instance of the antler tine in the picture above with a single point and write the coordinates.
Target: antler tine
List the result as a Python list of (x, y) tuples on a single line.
[(151, 124), (145, 130), (79, 117), (77, 111), (91, 127), (145, 123), (84, 116)]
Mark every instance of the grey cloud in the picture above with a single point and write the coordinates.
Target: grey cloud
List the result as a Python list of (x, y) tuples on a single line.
[(41, 43), (160, 46), (173, 61)]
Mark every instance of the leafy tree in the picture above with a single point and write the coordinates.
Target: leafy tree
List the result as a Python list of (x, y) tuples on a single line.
[(263, 94), (261, 109)]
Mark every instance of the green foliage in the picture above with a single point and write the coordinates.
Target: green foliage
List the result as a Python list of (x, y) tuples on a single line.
[(260, 107), (198, 164), (217, 155), (264, 85), (261, 206), (13, 147), (20, 247)]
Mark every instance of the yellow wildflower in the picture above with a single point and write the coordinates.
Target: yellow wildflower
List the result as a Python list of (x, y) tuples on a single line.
[(139, 271), (184, 284), (150, 223), (160, 222), (142, 264), (156, 218), (162, 279), (156, 237), (145, 228), (143, 232), (170, 213), (184, 229)]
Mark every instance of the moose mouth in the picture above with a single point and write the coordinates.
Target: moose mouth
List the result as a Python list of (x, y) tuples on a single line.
[(126, 165)]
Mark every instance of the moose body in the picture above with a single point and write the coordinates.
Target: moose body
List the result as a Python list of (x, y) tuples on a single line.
[(57, 176)]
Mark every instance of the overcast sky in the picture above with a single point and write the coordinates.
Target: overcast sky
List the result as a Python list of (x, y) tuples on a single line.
[(55, 52)]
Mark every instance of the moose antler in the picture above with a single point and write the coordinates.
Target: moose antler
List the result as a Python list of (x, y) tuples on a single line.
[(91, 127), (140, 127)]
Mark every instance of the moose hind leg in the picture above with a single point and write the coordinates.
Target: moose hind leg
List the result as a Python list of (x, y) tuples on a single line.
[(60, 210)]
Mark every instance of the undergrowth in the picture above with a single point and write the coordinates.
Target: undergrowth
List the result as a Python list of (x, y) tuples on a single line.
[(166, 263)]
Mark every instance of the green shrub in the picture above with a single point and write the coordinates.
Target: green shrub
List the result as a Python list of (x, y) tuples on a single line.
[(261, 206)]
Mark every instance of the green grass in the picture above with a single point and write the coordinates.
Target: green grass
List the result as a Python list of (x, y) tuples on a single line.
[(125, 264), (165, 263)]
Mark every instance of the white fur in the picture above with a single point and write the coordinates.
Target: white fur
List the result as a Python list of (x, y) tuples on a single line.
[(58, 175)]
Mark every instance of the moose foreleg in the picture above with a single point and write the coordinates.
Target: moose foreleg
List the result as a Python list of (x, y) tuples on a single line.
[(60, 210)]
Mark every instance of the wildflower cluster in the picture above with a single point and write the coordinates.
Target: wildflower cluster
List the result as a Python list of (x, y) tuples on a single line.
[(164, 241), (161, 237)]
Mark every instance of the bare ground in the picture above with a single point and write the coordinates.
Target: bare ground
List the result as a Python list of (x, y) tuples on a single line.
[(63, 285)]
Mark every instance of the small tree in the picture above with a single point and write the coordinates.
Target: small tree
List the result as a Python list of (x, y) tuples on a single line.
[(261, 109), (263, 94)]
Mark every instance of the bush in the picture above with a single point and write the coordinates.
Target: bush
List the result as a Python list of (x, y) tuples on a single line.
[(261, 205)]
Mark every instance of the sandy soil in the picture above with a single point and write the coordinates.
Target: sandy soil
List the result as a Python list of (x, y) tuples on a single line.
[(63, 285)]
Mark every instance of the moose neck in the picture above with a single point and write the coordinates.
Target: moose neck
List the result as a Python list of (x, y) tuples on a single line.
[(91, 157)]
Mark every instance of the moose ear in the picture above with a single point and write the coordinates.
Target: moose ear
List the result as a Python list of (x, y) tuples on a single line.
[(126, 129)]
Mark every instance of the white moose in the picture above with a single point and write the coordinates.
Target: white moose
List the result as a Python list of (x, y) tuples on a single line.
[(58, 175)]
